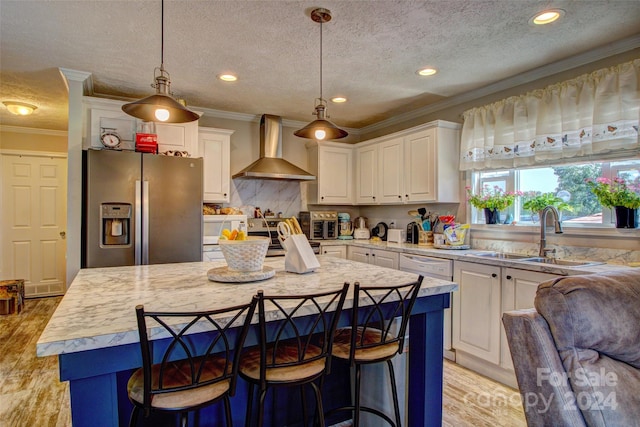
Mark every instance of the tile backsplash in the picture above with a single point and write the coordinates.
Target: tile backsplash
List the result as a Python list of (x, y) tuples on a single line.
[(279, 196)]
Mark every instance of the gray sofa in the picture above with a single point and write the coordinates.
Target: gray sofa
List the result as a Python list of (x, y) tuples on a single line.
[(577, 354)]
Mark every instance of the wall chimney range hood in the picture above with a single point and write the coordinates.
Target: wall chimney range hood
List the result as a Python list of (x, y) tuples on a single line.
[(271, 165)]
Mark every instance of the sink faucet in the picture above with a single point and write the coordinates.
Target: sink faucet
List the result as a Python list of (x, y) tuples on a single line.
[(543, 229)]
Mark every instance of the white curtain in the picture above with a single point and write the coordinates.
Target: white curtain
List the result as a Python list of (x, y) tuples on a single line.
[(591, 114)]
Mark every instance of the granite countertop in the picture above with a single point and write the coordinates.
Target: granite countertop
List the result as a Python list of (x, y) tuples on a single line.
[(98, 309), (468, 255)]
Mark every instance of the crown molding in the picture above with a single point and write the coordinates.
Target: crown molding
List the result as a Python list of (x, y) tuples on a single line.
[(33, 131), (593, 55), (77, 76)]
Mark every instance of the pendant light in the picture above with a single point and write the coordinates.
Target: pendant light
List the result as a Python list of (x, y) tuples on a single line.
[(321, 128), (161, 107)]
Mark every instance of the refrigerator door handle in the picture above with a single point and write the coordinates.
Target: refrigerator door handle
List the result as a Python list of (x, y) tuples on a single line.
[(145, 222), (138, 224)]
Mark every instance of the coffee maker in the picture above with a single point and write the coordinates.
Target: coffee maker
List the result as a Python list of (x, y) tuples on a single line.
[(413, 232)]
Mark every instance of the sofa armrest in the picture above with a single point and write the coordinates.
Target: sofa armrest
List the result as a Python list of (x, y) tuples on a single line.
[(547, 397)]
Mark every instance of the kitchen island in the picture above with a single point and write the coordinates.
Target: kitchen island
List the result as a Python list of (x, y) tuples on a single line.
[(94, 331)]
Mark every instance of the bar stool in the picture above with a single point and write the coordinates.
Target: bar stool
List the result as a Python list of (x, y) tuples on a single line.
[(190, 371), (373, 315), (294, 345)]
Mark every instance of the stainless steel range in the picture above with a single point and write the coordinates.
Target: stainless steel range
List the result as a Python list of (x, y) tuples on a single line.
[(269, 228)]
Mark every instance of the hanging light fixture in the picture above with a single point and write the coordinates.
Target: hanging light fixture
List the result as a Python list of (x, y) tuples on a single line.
[(161, 107), (321, 128)]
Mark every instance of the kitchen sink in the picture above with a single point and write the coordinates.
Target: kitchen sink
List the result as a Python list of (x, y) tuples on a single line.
[(562, 262), (501, 255)]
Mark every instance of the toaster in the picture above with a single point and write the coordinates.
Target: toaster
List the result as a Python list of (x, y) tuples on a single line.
[(413, 232), (395, 235)]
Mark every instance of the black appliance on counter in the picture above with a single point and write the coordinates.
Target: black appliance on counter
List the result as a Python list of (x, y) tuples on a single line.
[(413, 232), (268, 227)]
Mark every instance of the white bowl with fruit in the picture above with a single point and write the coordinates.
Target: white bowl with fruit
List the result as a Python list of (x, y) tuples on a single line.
[(243, 253)]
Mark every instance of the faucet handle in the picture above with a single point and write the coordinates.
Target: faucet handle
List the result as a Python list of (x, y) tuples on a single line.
[(547, 251)]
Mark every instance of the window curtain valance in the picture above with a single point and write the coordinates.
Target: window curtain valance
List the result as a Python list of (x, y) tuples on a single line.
[(593, 113)]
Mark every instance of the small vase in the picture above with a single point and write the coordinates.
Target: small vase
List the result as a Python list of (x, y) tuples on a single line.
[(626, 217), (492, 216)]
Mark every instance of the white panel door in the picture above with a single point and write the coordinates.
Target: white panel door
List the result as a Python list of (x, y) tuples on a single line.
[(420, 167), (390, 175), (366, 174), (34, 204)]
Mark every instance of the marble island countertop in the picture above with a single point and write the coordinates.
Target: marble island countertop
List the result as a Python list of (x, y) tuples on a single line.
[(98, 309), (470, 255)]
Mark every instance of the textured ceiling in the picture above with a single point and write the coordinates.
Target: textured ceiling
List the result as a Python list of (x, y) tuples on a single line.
[(372, 50)]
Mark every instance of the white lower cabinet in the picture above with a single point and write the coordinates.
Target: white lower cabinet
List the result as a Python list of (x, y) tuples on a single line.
[(339, 251), (476, 310), (378, 257), (485, 292), (518, 292)]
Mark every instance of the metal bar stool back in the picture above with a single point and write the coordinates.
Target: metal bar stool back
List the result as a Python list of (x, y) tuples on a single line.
[(294, 345), (191, 362), (377, 337)]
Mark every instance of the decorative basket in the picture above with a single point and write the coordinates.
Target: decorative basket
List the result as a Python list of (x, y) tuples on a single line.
[(245, 255)]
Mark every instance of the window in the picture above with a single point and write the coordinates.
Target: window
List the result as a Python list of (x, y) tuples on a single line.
[(580, 207)]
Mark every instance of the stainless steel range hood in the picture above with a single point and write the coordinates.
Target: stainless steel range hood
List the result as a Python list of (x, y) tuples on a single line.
[(271, 165)]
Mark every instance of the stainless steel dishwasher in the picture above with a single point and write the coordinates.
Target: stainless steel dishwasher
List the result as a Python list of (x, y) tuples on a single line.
[(375, 387)]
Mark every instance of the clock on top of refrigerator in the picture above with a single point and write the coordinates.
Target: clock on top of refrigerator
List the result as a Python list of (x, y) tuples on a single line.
[(110, 138)]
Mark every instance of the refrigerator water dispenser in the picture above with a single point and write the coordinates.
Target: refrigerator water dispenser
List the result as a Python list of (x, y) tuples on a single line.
[(116, 224)]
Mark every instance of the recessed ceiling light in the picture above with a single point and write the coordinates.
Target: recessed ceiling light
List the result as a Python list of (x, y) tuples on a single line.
[(19, 108), (227, 77), (427, 71), (546, 17), (338, 99)]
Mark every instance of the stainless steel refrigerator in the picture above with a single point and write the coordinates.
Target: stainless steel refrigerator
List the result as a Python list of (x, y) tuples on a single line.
[(141, 209)]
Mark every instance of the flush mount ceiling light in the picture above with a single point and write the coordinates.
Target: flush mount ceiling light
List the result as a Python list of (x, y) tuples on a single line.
[(162, 106), (321, 128), (546, 17), (19, 108), (227, 77), (338, 99), (427, 71)]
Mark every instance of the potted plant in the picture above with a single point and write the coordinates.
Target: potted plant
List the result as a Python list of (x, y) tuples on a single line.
[(621, 196), (536, 202), (492, 200)]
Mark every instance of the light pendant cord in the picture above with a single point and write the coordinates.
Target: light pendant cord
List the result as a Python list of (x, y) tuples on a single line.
[(321, 59), (162, 36)]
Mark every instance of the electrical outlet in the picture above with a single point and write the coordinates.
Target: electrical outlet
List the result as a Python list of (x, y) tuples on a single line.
[(392, 223)]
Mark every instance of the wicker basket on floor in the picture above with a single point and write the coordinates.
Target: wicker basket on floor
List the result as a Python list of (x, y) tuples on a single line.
[(245, 255)]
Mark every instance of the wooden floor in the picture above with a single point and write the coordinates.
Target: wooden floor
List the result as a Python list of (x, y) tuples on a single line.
[(31, 394)]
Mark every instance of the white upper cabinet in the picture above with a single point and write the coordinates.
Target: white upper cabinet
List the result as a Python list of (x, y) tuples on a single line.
[(332, 164), (214, 146), (178, 137), (413, 166), (390, 174), (366, 175)]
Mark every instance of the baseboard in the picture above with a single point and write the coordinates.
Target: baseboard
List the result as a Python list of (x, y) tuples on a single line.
[(487, 369)]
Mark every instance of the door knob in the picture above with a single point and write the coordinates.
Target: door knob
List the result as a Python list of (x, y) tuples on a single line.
[(63, 234)]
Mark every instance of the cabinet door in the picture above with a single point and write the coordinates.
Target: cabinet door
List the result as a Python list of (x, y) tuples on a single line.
[(390, 173), (336, 251), (518, 292), (420, 167), (214, 147), (335, 175), (366, 174), (178, 137), (358, 254), (477, 310), (385, 258)]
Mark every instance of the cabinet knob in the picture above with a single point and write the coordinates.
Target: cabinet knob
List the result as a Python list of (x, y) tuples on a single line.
[(509, 277), (494, 275), (374, 197), (399, 196), (373, 254), (406, 195), (322, 198), (225, 194)]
